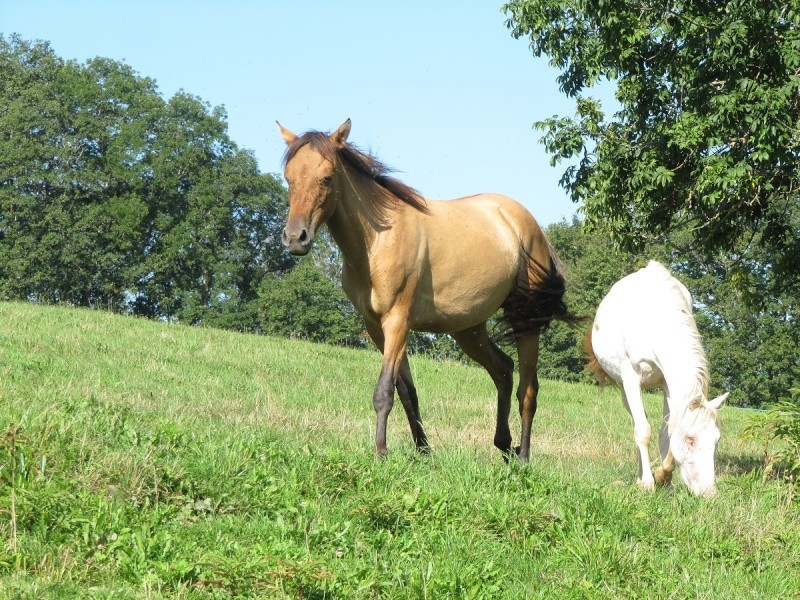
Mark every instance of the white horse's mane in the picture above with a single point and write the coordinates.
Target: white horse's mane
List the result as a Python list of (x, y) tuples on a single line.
[(680, 308)]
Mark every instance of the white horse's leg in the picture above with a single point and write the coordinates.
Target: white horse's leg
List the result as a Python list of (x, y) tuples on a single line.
[(632, 397), (663, 474)]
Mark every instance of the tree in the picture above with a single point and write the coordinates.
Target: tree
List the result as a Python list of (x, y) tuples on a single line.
[(708, 132), (111, 196), (304, 303), (69, 209), (592, 265), (213, 223)]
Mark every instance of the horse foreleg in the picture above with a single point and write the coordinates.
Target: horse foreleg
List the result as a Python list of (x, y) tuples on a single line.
[(408, 396), (476, 344), (394, 333), (382, 400), (632, 398), (528, 390)]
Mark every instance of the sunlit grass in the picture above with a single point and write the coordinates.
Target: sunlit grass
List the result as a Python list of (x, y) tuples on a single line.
[(145, 460)]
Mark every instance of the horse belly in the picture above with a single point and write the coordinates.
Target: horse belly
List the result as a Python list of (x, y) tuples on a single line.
[(647, 370), (463, 282), (450, 308)]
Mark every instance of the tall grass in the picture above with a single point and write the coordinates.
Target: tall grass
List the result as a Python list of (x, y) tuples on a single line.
[(144, 460)]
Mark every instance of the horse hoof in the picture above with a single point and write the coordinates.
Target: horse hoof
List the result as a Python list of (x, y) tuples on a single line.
[(507, 454), (647, 486), (663, 477), (514, 452), (524, 457)]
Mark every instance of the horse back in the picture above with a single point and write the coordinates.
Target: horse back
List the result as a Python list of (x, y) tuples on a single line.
[(644, 319)]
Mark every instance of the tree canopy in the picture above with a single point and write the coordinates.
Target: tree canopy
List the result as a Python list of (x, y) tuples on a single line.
[(112, 196), (707, 136), (752, 347)]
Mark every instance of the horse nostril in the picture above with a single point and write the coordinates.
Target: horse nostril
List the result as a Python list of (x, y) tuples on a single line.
[(285, 238), (303, 236)]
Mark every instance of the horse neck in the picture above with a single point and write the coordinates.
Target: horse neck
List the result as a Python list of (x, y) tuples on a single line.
[(358, 217), (685, 368)]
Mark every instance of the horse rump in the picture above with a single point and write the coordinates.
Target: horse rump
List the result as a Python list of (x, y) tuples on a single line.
[(592, 364)]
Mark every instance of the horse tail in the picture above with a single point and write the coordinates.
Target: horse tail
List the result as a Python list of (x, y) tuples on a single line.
[(537, 299), (593, 365)]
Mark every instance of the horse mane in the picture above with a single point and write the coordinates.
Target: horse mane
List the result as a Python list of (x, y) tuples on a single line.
[(680, 297), (363, 163), (698, 354)]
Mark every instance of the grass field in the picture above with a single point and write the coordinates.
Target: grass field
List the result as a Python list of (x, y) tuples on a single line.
[(144, 460)]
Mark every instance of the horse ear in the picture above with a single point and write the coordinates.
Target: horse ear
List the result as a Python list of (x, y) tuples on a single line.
[(339, 136), (286, 134), (696, 403), (718, 401)]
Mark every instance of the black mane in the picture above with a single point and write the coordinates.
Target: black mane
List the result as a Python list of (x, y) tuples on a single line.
[(363, 163)]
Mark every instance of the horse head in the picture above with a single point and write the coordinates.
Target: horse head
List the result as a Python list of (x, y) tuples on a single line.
[(693, 444), (310, 165)]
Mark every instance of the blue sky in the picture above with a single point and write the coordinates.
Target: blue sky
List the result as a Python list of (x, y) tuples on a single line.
[(439, 91)]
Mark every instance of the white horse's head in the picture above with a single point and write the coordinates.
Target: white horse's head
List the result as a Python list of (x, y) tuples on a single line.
[(694, 442)]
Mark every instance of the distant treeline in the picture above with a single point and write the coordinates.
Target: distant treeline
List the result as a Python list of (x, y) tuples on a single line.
[(113, 197)]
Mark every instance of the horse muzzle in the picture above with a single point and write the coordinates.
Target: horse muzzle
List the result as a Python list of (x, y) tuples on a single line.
[(298, 242)]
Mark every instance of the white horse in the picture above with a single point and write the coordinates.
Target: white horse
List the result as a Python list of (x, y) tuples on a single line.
[(644, 336)]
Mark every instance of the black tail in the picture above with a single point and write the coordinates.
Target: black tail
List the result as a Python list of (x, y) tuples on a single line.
[(531, 308)]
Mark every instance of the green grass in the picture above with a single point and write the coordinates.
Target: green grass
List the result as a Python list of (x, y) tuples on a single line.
[(144, 460)]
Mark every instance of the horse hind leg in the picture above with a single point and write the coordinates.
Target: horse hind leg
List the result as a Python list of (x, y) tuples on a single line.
[(410, 400), (663, 474), (528, 390), (476, 344)]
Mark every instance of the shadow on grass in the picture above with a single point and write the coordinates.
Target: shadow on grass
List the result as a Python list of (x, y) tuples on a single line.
[(737, 465)]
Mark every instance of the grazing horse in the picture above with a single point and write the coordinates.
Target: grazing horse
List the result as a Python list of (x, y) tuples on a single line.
[(644, 336), (413, 263)]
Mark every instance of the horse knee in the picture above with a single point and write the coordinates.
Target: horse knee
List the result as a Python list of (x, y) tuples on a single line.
[(383, 398), (383, 403), (503, 375), (642, 436)]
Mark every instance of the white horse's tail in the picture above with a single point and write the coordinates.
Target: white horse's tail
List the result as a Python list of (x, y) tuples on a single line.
[(593, 365)]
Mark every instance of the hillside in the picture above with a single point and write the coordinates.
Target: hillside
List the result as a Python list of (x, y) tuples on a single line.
[(144, 459)]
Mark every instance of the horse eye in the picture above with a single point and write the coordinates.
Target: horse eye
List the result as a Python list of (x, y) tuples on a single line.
[(328, 180)]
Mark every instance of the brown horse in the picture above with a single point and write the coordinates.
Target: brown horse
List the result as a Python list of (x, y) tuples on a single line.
[(442, 267)]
